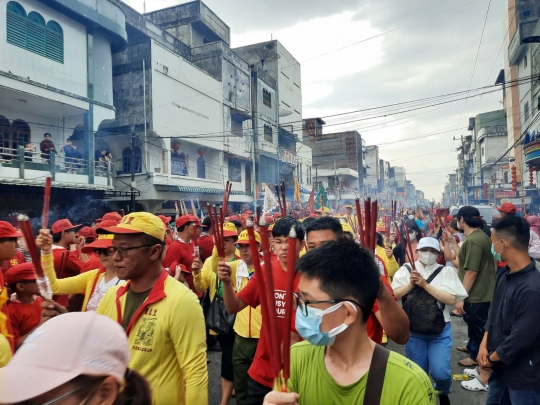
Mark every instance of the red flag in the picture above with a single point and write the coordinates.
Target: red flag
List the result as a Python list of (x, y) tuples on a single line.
[(311, 201)]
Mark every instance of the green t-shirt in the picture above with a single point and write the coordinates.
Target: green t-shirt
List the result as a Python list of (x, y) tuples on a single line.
[(405, 383), (475, 254), (133, 302)]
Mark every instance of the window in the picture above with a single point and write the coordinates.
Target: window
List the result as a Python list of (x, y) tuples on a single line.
[(178, 164), (12, 136), (201, 168), (235, 170), (526, 112), (268, 170), (248, 179), (236, 125), (267, 98), (268, 135), (33, 34), (128, 159)]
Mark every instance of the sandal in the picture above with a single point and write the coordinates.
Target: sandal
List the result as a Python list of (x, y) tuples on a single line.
[(462, 349), (469, 363), (474, 385)]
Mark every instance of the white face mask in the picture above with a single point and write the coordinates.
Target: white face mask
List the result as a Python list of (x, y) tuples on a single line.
[(411, 216), (427, 258), (412, 235)]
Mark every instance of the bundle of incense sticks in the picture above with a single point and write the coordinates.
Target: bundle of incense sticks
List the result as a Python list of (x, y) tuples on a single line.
[(177, 208), (13, 220), (193, 209), (46, 201), (408, 246), (268, 281), (225, 205), (217, 226), (441, 220), (394, 209), (281, 199), (289, 286), (41, 279), (361, 233)]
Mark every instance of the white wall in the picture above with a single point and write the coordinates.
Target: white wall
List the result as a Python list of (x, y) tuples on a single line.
[(69, 76), (197, 113), (103, 85), (290, 89)]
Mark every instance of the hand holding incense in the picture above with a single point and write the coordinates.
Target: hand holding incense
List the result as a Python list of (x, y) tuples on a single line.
[(41, 279)]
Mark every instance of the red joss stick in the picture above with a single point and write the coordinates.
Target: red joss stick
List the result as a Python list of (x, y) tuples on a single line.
[(41, 279), (46, 201), (408, 247), (270, 300), (291, 263), (367, 220)]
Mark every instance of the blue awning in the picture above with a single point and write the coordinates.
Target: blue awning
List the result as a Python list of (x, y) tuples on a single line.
[(202, 190)]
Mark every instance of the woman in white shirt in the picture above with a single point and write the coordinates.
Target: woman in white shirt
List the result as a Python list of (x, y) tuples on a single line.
[(430, 342)]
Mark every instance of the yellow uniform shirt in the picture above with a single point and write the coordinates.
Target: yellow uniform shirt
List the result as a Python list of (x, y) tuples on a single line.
[(84, 283), (167, 340), (390, 263), (249, 320)]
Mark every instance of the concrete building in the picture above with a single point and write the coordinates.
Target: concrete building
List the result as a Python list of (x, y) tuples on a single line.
[(56, 77), (372, 170), (335, 151)]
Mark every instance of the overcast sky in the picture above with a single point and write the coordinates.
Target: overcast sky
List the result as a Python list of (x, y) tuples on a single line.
[(423, 59)]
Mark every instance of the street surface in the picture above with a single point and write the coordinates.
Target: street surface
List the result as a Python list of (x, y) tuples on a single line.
[(459, 395)]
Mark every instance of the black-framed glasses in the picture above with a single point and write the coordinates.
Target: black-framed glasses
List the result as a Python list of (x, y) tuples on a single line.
[(123, 251), (102, 252), (302, 304)]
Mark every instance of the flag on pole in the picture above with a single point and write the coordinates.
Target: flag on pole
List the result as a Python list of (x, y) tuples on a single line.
[(297, 198), (311, 201), (270, 200), (321, 199)]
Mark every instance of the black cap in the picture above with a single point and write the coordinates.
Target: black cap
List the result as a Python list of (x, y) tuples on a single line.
[(206, 222), (468, 212)]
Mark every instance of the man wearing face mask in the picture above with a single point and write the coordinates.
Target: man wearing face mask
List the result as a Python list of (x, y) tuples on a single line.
[(477, 273), (511, 344), (430, 343), (338, 363)]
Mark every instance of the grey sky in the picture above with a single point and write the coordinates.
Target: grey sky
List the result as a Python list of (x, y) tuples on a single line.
[(429, 58)]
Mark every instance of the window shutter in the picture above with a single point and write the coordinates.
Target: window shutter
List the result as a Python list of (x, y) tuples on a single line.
[(16, 29), (36, 34), (55, 42)]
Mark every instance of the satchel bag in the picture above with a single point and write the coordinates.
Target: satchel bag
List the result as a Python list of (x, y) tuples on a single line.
[(217, 317)]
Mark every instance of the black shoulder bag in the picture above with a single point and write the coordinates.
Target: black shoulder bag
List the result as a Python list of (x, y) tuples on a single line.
[(377, 372), (217, 317)]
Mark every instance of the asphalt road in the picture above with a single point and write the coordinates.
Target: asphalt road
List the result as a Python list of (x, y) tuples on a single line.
[(459, 395)]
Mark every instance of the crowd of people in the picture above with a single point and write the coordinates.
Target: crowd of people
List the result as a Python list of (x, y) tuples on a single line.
[(138, 300)]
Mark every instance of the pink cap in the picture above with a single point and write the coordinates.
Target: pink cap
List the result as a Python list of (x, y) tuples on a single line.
[(69, 345)]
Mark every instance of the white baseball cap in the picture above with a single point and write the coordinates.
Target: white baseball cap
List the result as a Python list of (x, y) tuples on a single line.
[(429, 243), (67, 346)]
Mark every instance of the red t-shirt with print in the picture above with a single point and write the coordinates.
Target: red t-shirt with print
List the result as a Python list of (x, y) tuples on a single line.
[(261, 368)]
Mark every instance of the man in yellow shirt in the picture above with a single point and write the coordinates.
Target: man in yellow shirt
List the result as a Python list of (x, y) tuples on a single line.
[(162, 317)]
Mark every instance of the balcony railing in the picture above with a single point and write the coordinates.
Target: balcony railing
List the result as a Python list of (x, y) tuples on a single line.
[(24, 164)]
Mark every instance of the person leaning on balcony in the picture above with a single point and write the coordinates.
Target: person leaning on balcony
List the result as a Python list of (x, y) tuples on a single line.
[(47, 146)]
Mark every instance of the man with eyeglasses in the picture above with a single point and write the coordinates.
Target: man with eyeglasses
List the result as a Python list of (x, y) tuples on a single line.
[(162, 318), (94, 283), (338, 363)]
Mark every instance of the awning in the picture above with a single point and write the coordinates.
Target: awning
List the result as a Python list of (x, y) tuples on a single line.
[(196, 190)]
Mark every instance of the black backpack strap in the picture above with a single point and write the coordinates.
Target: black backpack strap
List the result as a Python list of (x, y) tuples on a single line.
[(432, 277), (377, 372), (409, 268), (434, 274)]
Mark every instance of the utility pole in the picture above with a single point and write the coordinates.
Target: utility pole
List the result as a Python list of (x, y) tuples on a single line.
[(133, 171)]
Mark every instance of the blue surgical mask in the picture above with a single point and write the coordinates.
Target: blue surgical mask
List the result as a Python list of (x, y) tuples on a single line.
[(497, 256), (309, 327)]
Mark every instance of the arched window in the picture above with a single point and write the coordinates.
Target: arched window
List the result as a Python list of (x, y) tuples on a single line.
[(5, 131), (126, 160), (201, 168), (32, 33), (55, 42), (178, 164), (37, 37), (235, 170), (16, 24), (12, 136)]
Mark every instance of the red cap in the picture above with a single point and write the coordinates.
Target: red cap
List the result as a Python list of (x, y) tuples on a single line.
[(248, 212), (195, 219), (87, 232), (115, 216), (8, 231), (184, 219), (165, 219), (23, 271), (507, 208), (268, 218), (63, 225)]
